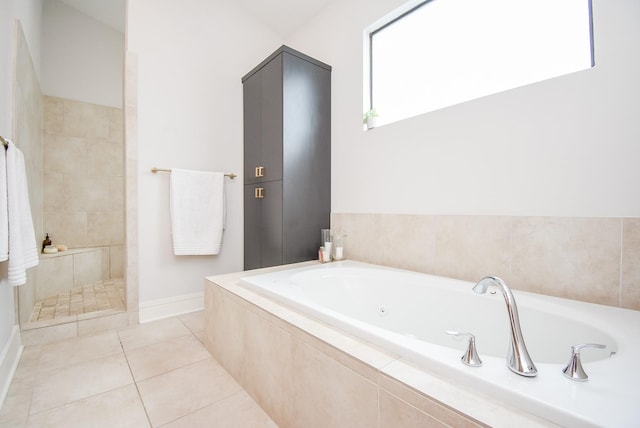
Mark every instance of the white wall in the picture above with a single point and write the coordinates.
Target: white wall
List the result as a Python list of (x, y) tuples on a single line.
[(564, 147), (82, 58), (569, 146), (191, 56), (28, 12)]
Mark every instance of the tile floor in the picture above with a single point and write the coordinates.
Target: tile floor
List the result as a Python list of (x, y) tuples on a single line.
[(151, 375), (99, 296)]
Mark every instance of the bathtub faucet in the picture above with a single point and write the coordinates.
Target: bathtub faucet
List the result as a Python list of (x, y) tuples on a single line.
[(518, 358)]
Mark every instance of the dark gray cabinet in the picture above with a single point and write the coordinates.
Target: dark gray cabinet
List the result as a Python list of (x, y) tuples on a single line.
[(287, 158)]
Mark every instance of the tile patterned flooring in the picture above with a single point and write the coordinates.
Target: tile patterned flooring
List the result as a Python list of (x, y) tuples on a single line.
[(157, 374), (99, 296)]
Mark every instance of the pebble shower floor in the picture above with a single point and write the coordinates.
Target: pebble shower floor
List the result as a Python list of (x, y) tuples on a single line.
[(101, 295)]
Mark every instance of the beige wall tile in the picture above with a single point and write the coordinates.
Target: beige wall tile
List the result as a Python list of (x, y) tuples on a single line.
[(105, 158), (106, 263), (97, 193), (55, 275), (397, 413), (105, 228), (67, 228), (116, 193), (339, 396), (85, 120), (472, 247), (630, 283), (87, 267), (117, 261), (75, 192), (53, 191), (576, 258), (53, 115), (267, 366), (461, 247), (359, 356), (399, 396), (362, 237), (84, 148), (131, 173), (64, 155), (116, 124), (26, 296), (409, 242)]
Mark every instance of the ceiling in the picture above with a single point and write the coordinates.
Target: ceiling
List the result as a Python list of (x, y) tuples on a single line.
[(109, 12), (282, 16)]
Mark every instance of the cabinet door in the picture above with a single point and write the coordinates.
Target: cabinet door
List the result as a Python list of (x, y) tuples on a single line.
[(271, 106), (262, 224), (271, 233), (262, 97), (252, 126), (252, 228)]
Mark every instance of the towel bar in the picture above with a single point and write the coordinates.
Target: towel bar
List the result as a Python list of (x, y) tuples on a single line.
[(154, 170)]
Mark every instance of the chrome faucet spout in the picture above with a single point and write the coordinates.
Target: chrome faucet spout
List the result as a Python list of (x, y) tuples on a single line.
[(518, 358)]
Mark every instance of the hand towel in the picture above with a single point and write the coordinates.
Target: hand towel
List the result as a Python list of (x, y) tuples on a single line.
[(23, 253), (197, 211), (4, 215)]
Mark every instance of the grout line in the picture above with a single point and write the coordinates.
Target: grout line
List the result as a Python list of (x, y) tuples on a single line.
[(135, 383), (621, 262)]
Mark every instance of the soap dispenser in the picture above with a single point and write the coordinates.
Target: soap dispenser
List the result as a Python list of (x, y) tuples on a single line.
[(47, 241)]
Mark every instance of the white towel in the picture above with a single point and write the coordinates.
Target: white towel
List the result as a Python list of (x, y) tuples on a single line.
[(4, 215), (197, 211), (23, 252)]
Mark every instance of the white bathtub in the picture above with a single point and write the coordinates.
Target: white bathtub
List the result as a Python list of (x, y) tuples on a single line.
[(408, 313)]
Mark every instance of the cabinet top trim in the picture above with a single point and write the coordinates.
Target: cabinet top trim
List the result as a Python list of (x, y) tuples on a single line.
[(290, 51)]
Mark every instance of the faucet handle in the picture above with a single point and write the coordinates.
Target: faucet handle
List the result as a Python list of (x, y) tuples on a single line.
[(574, 370), (470, 357)]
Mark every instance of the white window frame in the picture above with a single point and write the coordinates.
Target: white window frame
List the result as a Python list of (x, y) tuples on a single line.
[(397, 15)]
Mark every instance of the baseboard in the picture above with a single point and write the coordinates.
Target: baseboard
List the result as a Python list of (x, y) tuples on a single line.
[(9, 359), (170, 307)]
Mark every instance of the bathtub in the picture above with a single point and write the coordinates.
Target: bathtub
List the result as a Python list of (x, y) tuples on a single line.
[(408, 313)]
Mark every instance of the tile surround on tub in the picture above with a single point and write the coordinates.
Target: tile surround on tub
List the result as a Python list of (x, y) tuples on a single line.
[(595, 260), (575, 258), (335, 378), (630, 266)]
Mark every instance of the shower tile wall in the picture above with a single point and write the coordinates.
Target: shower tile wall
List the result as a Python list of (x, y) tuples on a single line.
[(28, 138), (590, 259), (83, 177)]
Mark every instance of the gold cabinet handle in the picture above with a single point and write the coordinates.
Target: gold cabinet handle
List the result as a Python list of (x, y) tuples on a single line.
[(259, 192), (259, 171)]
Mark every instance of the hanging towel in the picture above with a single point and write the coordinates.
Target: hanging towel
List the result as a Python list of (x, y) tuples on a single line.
[(4, 215), (197, 211), (23, 253)]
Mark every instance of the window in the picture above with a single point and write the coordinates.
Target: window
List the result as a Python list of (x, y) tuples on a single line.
[(444, 52)]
